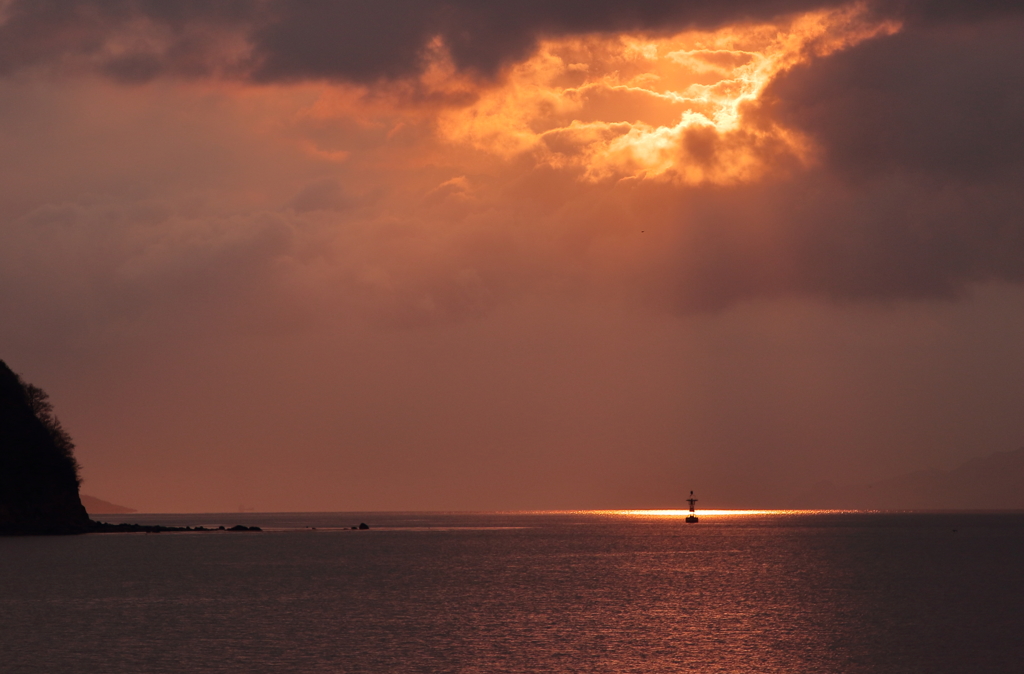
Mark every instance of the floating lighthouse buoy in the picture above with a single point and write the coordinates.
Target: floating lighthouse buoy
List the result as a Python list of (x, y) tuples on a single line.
[(692, 518)]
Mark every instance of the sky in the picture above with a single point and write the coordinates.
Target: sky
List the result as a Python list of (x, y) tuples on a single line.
[(422, 255)]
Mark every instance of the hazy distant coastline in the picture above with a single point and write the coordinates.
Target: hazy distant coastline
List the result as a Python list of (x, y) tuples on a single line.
[(97, 506), (994, 482)]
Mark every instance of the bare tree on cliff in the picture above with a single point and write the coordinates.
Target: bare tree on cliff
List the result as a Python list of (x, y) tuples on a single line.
[(39, 401)]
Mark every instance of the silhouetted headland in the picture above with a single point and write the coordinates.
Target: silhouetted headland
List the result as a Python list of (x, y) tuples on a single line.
[(39, 474)]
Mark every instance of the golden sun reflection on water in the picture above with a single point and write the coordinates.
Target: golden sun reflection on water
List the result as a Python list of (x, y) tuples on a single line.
[(716, 513)]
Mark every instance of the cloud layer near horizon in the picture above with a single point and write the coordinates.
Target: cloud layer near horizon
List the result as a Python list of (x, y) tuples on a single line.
[(180, 171)]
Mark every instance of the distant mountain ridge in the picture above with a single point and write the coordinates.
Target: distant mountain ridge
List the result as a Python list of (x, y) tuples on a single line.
[(994, 482), (97, 506)]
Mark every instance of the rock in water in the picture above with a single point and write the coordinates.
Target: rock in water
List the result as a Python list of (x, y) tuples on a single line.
[(38, 472)]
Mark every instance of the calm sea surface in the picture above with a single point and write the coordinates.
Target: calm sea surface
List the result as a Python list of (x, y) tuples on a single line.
[(534, 592)]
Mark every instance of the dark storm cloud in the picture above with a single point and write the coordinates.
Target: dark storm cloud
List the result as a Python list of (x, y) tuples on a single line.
[(924, 156), (951, 11), (128, 40), (137, 40), (356, 41), (364, 41), (944, 101)]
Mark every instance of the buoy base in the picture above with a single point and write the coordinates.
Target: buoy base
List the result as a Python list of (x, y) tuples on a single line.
[(692, 519)]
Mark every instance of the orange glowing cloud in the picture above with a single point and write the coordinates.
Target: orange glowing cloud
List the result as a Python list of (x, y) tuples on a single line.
[(615, 106), (599, 106)]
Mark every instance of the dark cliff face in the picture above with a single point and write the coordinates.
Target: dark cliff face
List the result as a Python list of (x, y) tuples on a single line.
[(38, 474)]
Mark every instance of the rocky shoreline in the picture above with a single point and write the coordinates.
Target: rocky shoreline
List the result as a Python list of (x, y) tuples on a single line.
[(106, 528)]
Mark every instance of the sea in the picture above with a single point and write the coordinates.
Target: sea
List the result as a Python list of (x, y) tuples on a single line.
[(618, 591)]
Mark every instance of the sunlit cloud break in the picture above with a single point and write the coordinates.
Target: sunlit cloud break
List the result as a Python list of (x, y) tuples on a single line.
[(629, 106)]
